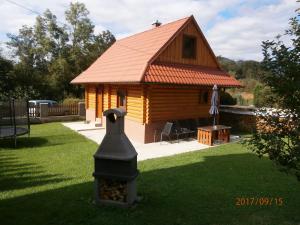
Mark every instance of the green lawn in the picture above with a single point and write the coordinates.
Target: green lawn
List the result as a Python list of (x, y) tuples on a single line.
[(48, 180)]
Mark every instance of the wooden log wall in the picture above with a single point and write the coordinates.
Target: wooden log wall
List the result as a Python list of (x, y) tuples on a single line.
[(135, 103), (134, 100), (113, 96), (173, 53), (91, 97), (173, 103), (154, 103), (106, 98)]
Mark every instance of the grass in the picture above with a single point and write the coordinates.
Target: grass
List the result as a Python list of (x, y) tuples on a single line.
[(48, 180)]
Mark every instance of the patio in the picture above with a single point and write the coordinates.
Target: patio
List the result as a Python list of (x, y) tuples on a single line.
[(145, 151)]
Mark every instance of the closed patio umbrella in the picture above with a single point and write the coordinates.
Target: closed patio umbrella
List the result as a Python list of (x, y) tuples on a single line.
[(214, 104)]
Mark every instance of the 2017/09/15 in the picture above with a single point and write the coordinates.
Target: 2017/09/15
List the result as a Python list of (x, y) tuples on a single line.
[(261, 201)]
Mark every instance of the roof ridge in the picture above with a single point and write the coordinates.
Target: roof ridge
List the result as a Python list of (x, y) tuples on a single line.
[(163, 25)]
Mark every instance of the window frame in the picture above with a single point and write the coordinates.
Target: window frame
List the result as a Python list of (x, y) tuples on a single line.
[(194, 56), (203, 100), (124, 93)]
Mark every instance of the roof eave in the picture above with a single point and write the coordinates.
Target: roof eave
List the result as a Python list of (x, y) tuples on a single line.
[(106, 82), (195, 85)]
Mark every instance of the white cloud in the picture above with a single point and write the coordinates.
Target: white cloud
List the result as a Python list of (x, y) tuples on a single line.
[(130, 16), (241, 37), (237, 37)]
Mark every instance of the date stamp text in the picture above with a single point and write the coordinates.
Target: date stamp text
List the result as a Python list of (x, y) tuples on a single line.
[(259, 201)]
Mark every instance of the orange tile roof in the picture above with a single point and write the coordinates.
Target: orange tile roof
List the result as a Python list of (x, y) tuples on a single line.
[(188, 74), (127, 59)]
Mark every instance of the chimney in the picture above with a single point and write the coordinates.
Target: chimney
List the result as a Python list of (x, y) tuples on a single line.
[(156, 23), (115, 164)]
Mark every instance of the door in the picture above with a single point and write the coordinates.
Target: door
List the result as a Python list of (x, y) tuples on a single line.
[(99, 102)]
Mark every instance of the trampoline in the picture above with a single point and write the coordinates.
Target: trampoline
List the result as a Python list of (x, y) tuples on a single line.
[(14, 119)]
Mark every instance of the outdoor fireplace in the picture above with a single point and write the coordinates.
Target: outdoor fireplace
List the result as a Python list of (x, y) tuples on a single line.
[(115, 163)]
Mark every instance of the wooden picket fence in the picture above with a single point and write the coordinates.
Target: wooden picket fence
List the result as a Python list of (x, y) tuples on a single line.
[(63, 109)]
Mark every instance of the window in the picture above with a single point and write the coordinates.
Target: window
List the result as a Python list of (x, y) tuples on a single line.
[(203, 97), (189, 47), (121, 99)]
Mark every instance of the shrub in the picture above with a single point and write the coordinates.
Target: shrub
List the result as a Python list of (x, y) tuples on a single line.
[(227, 99), (72, 100), (240, 100), (249, 85), (277, 136), (263, 96)]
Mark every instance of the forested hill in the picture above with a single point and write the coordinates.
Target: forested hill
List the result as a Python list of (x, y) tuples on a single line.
[(241, 69), (249, 73)]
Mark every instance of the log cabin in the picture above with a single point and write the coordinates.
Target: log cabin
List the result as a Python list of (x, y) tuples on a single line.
[(163, 74)]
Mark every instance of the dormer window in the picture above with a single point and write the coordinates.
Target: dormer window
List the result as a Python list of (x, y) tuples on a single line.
[(189, 47)]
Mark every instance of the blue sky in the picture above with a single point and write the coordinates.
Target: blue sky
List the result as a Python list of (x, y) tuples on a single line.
[(234, 28)]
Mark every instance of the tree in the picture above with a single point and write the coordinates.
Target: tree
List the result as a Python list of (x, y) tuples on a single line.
[(101, 43), (278, 130), (26, 75), (81, 32), (50, 54), (85, 47), (6, 82)]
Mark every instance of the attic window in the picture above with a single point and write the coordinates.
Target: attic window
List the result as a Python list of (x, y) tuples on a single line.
[(189, 47)]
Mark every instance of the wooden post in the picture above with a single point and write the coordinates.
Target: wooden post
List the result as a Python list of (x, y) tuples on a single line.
[(210, 137), (109, 97), (81, 109), (44, 110)]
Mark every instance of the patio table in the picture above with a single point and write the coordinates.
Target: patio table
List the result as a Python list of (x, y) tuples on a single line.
[(207, 135)]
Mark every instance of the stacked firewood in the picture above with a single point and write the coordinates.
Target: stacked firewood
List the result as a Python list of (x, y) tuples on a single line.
[(270, 121), (113, 190), (277, 125)]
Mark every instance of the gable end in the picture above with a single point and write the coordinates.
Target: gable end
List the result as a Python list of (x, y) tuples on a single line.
[(174, 51)]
